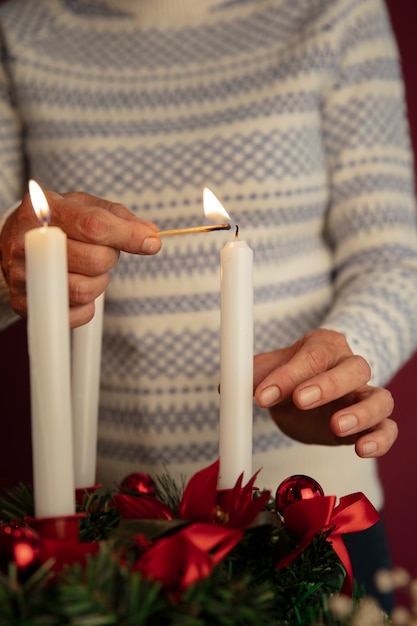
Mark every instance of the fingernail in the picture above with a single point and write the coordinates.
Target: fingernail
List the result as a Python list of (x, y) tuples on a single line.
[(309, 395), (151, 245), (270, 395), (347, 422), (369, 448)]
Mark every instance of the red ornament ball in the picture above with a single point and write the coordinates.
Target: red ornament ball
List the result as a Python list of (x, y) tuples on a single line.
[(294, 488), (138, 484), (21, 545)]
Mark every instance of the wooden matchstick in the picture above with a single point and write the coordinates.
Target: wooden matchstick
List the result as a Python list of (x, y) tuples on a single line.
[(194, 229)]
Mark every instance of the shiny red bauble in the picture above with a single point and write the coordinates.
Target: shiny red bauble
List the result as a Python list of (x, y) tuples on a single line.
[(21, 545), (294, 488), (138, 484)]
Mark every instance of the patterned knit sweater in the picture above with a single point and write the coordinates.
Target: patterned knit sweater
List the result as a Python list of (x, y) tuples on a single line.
[(292, 112)]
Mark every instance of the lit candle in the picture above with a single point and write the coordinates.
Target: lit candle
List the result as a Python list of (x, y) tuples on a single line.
[(236, 355), (49, 353), (86, 359)]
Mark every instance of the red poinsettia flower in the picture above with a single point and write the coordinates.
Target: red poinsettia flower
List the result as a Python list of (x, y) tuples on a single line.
[(187, 556), (235, 508), (201, 502)]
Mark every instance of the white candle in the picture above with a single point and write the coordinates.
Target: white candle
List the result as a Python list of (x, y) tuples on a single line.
[(49, 353), (236, 355), (86, 359), (236, 364)]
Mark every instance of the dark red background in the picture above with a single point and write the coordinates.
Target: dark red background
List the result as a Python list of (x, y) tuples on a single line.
[(398, 468)]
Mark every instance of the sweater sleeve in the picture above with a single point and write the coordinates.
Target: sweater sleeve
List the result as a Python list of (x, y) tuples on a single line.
[(371, 224), (12, 167)]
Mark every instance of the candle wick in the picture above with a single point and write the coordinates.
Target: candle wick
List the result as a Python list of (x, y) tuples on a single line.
[(44, 216), (237, 231)]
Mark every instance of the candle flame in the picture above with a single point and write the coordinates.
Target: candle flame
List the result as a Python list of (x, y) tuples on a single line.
[(213, 208), (39, 203)]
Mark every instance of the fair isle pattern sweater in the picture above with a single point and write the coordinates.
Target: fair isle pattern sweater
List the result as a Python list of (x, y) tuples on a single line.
[(291, 111)]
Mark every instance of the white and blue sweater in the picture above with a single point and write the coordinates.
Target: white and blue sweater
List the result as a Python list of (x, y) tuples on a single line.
[(292, 112)]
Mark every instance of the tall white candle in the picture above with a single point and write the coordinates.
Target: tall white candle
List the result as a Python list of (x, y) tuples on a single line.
[(86, 359), (236, 364), (49, 353), (236, 354)]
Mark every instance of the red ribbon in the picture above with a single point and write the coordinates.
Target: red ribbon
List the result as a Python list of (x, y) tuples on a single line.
[(187, 556), (312, 516)]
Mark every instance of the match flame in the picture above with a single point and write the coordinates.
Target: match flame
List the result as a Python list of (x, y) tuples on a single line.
[(213, 208), (39, 203)]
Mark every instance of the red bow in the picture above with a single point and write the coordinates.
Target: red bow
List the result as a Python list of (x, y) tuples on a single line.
[(182, 559), (310, 517)]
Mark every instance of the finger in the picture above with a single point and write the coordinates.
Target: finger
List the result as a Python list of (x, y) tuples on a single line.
[(19, 304), (98, 224), (84, 258), (374, 405), (16, 282), (379, 441), (317, 352), (266, 362), (352, 373), (80, 315), (114, 207), (14, 274), (12, 248), (84, 290)]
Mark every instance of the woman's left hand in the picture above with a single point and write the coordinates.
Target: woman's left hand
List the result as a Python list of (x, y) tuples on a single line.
[(317, 391)]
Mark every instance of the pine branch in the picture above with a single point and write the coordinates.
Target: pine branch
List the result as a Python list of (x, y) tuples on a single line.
[(25, 604), (169, 492), (17, 503), (102, 518), (106, 592)]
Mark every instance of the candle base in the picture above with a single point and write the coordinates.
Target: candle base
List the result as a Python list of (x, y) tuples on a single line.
[(61, 528), (60, 540)]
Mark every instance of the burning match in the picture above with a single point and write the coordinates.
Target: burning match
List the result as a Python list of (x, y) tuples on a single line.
[(194, 229)]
